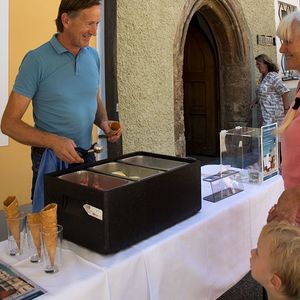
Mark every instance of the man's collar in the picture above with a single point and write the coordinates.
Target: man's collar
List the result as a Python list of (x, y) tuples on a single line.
[(59, 48)]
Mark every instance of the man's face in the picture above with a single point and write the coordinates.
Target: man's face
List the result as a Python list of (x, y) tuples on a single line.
[(260, 262), (291, 49), (81, 28)]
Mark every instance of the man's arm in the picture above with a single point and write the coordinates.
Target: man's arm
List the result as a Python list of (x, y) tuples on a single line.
[(13, 126), (101, 120)]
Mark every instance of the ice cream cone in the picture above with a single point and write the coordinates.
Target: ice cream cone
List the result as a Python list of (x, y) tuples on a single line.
[(49, 214), (114, 127), (34, 224), (14, 227), (49, 228), (12, 212), (11, 207), (50, 240)]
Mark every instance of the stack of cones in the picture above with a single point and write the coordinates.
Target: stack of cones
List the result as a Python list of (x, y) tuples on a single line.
[(34, 224), (49, 228), (12, 212)]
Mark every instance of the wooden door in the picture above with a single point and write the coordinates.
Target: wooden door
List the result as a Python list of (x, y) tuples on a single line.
[(201, 109)]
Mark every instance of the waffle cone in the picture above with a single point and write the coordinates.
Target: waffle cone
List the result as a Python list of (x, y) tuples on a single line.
[(50, 239), (11, 207), (114, 127), (49, 215), (49, 227), (12, 212), (14, 227), (34, 223)]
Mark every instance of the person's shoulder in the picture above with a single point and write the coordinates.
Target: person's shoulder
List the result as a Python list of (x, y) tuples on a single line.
[(44, 48), (274, 77), (273, 74), (39, 51), (93, 52)]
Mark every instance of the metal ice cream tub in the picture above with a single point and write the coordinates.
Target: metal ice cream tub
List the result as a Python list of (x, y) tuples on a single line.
[(126, 171), (153, 162), (94, 180)]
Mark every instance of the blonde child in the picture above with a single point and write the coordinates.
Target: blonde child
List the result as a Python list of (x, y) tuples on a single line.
[(275, 263)]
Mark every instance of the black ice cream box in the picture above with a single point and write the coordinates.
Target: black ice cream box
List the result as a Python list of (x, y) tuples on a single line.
[(109, 205)]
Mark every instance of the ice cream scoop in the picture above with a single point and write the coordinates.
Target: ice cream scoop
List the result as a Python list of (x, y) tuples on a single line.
[(96, 148)]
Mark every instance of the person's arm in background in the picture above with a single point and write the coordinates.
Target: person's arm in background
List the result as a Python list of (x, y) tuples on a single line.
[(101, 120), (13, 126), (253, 103), (287, 206), (286, 103)]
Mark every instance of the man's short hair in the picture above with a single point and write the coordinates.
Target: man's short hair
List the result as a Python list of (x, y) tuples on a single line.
[(72, 7)]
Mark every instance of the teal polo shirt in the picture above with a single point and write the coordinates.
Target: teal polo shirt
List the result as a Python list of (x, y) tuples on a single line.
[(63, 89)]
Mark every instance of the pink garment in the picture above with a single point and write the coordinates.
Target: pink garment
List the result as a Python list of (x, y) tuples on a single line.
[(290, 147)]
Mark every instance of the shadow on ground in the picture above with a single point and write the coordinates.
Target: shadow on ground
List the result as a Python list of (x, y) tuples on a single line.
[(245, 289)]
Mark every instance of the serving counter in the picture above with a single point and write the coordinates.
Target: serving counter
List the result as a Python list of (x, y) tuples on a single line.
[(199, 258)]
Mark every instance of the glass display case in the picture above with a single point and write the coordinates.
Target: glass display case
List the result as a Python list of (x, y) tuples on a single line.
[(254, 151), (224, 184)]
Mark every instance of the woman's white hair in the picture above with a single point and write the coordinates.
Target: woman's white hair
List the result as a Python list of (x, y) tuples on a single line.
[(285, 33), (284, 30)]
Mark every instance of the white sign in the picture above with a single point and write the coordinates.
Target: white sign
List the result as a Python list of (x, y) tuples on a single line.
[(4, 30)]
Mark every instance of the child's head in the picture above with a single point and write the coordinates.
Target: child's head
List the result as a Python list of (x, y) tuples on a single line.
[(275, 263)]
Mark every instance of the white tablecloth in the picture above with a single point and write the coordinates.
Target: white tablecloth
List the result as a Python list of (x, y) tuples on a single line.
[(197, 259)]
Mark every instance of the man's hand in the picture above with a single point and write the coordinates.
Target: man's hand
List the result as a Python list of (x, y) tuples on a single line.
[(112, 135), (64, 149)]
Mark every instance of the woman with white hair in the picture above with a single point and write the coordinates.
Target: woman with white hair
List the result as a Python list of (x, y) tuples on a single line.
[(289, 32), (289, 203)]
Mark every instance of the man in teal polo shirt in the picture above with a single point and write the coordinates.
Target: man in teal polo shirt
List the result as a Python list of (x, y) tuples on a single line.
[(61, 78)]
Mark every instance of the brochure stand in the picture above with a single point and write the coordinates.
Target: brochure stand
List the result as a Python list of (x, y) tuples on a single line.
[(223, 185)]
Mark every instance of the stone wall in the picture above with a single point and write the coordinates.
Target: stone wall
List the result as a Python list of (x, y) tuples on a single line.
[(151, 37), (146, 31)]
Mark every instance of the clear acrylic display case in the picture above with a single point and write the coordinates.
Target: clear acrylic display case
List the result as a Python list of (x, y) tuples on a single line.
[(254, 151), (224, 184)]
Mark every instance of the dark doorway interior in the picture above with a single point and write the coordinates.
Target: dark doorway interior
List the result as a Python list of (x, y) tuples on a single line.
[(201, 91)]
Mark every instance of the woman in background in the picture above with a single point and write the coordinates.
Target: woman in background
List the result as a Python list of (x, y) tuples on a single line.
[(271, 92)]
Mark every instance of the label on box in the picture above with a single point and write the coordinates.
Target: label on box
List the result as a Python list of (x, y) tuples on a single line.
[(93, 211)]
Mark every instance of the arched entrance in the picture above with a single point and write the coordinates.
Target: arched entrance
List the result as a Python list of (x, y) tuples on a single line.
[(200, 82), (233, 56)]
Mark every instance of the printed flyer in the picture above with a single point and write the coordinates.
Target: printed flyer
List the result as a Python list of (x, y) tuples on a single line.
[(14, 285), (269, 142)]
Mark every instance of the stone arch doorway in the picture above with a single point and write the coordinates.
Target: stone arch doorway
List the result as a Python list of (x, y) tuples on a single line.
[(232, 39), (200, 90)]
